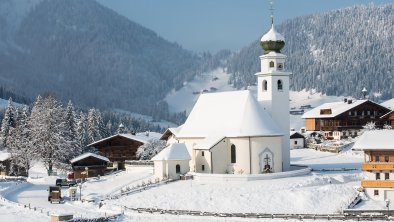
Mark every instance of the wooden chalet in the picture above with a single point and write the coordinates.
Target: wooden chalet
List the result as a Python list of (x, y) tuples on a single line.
[(89, 165), (121, 147), (342, 119), (378, 166), (388, 118)]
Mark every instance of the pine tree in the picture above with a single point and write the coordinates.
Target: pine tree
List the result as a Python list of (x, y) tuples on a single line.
[(8, 123), (70, 130), (150, 149), (102, 130), (93, 130), (19, 143), (82, 137)]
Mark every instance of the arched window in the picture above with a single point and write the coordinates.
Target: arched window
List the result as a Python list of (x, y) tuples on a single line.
[(233, 154), (265, 85), (272, 64), (178, 168), (280, 85)]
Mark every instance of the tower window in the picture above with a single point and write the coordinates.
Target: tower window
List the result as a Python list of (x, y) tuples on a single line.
[(280, 85), (178, 168), (265, 85), (233, 154), (272, 64), (202, 153)]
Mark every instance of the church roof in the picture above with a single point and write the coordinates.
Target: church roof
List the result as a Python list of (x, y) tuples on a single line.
[(230, 114), (272, 35), (375, 140), (175, 151)]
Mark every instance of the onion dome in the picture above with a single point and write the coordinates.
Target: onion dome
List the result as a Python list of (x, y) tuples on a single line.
[(272, 41)]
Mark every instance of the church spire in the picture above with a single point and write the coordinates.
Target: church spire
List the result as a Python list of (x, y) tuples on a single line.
[(272, 12)]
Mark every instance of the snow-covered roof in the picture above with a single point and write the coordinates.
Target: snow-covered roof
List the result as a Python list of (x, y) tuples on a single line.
[(385, 115), (209, 142), (141, 137), (272, 35), (86, 155), (335, 107), (4, 156), (388, 104), (170, 131), (233, 114), (175, 151), (375, 140), (292, 133)]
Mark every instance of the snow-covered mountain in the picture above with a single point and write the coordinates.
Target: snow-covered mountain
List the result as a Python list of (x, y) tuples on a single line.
[(337, 52)]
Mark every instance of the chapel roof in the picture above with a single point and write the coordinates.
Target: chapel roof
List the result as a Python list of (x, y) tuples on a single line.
[(175, 151)]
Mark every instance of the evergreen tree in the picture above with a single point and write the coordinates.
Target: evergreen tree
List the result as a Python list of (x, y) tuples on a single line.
[(93, 130), (8, 123), (70, 130), (82, 137)]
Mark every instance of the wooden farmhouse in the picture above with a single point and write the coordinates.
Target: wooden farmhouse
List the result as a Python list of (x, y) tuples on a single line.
[(344, 119), (89, 165), (121, 147), (378, 166)]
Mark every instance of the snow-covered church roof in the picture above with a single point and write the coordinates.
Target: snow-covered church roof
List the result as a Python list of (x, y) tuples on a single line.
[(175, 151), (272, 35), (375, 140), (228, 114)]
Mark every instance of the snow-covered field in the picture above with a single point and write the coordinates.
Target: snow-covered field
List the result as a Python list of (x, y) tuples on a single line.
[(318, 192)]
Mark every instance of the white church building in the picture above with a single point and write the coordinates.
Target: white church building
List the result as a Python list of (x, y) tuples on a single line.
[(236, 132)]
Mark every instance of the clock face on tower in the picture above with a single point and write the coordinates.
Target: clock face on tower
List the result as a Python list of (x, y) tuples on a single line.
[(280, 66)]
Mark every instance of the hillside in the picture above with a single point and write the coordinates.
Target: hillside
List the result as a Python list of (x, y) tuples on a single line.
[(83, 51), (336, 53)]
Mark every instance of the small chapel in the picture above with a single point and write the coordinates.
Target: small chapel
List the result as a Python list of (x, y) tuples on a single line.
[(236, 132)]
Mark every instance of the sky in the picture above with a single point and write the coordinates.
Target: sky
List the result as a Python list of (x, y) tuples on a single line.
[(212, 25)]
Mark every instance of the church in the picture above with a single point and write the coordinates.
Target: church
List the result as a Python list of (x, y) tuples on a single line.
[(236, 132)]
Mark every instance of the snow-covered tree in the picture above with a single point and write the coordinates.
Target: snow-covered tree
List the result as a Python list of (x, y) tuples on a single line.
[(48, 133), (386, 126), (8, 123), (93, 129), (71, 131), (82, 137), (103, 132), (19, 143), (150, 149), (369, 126)]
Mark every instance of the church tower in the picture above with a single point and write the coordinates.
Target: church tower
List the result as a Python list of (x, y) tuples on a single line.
[(273, 87)]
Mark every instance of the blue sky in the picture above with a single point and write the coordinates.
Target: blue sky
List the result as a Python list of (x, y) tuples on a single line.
[(211, 25)]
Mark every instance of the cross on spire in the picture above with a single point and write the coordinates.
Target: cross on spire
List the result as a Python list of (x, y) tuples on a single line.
[(272, 11)]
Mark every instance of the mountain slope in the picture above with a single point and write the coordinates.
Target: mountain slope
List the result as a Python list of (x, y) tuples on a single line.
[(82, 51), (337, 53)]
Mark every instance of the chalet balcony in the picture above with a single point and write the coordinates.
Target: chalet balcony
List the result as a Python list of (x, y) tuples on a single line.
[(377, 183), (376, 166)]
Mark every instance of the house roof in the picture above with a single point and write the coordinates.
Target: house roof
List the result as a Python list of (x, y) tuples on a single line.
[(141, 137), (86, 155), (336, 108), (375, 140), (170, 131), (295, 134), (389, 113), (388, 104), (175, 151), (233, 114), (4, 156)]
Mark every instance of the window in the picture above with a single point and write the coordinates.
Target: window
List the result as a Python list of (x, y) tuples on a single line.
[(386, 176), (386, 159), (377, 159), (233, 154), (280, 85), (280, 66), (377, 176), (272, 64), (376, 192), (295, 142), (178, 168), (265, 85), (202, 153), (203, 167)]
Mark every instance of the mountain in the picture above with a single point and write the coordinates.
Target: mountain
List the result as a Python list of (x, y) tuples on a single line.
[(83, 51), (337, 53)]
